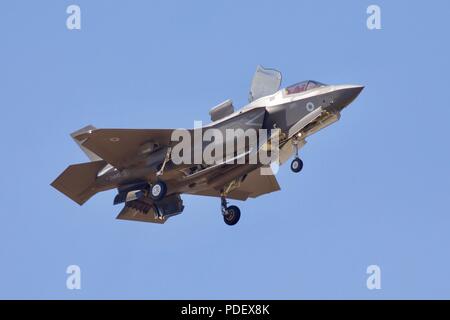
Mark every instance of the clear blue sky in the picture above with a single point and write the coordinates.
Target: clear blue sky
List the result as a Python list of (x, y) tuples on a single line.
[(375, 187)]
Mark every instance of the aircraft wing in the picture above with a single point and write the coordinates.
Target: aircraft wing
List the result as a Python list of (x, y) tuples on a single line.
[(256, 184), (119, 147), (253, 186)]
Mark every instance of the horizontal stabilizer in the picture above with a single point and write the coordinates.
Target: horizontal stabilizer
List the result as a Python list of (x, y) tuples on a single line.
[(78, 181)]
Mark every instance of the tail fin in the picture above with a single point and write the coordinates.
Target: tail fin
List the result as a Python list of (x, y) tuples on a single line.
[(78, 181), (91, 155)]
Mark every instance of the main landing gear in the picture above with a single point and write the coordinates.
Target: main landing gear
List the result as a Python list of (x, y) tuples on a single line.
[(231, 214), (297, 163), (158, 190)]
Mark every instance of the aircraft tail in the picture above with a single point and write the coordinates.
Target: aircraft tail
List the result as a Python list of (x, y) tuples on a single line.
[(91, 155), (78, 181)]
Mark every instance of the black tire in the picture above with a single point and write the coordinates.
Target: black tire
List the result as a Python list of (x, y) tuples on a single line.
[(158, 190), (297, 165), (232, 216)]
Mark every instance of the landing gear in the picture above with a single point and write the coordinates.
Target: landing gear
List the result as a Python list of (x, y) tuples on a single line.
[(160, 171), (158, 190), (297, 163), (231, 214)]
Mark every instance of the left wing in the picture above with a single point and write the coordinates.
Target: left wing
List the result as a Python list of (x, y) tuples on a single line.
[(119, 147)]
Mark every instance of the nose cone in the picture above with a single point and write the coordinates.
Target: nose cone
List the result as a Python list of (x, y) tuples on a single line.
[(344, 95)]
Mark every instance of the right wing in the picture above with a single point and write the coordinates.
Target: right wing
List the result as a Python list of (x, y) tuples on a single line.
[(253, 186), (119, 147)]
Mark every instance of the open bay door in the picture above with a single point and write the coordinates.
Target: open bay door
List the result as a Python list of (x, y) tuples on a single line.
[(265, 82)]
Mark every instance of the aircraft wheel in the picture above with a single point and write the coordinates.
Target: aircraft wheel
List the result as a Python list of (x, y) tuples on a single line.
[(297, 165), (232, 215), (158, 190)]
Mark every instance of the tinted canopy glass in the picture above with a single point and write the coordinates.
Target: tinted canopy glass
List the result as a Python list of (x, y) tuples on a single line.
[(303, 86)]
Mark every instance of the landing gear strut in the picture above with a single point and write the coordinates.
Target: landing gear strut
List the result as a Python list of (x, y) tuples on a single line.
[(231, 214), (163, 165), (297, 163)]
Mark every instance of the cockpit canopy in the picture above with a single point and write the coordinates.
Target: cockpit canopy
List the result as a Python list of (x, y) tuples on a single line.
[(303, 86)]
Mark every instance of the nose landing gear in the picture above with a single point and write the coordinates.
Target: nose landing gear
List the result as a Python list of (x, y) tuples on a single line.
[(231, 214), (297, 163)]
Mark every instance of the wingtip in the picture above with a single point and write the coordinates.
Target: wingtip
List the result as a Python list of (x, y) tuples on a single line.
[(80, 133)]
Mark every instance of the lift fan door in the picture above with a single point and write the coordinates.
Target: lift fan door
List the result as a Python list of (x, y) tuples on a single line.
[(265, 82)]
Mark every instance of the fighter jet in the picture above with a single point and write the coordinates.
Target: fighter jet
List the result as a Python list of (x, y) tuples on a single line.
[(139, 163)]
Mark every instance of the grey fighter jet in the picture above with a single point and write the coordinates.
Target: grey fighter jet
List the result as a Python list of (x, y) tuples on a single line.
[(139, 163)]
